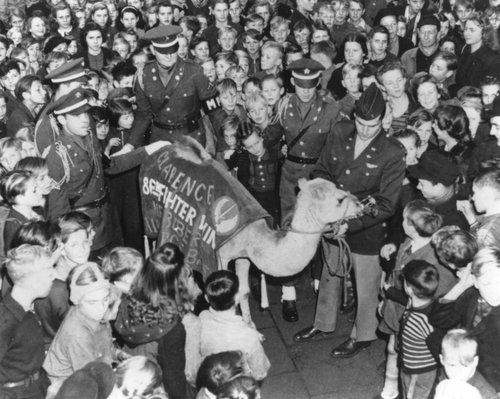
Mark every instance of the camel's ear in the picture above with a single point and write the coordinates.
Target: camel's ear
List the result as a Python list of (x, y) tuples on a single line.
[(302, 183)]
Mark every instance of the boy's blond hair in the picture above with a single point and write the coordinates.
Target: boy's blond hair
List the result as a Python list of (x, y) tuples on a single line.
[(461, 344), (24, 260)]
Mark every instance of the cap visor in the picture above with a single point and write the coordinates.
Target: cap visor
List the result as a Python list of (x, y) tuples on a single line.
[(306, 84), (417, 172), (80, 110), (167, 50)]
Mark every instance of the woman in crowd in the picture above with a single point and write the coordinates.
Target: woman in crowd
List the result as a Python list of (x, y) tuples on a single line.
[(99, 14), (95, 56), (477, 59)]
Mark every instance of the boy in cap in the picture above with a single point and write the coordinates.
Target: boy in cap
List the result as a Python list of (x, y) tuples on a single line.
[(169, 92), (307, 121), (360, 158), (67, 77), (21, 336), (419, 59)]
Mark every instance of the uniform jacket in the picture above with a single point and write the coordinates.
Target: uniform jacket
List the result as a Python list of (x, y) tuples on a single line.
[(177, 102), (319, 122), (378, 172)]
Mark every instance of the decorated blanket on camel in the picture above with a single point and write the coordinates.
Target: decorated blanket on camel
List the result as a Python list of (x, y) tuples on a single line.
[(191, 200)]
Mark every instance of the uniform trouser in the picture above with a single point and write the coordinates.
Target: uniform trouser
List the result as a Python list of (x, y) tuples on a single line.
[(290, 175), (367, 273)]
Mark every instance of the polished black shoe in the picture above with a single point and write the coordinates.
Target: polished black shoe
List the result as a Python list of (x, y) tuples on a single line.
[(290, 313), (349, 348), (309, 334)]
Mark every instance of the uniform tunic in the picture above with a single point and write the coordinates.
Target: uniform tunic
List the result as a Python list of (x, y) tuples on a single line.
[(318, 123), (174, 108)]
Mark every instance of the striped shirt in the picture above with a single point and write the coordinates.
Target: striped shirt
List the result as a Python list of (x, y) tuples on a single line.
[(415, 354)]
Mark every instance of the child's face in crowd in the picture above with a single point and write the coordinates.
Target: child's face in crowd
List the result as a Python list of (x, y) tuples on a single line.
[(33, 52), (77, 247), (102, 130), (280, 34), (254, 145), (302, 37), (255, 25), (3, 108), (126, 81), (238, 77), (251, 88), (269, 59), (32, 196), (201, 51), (327, 16), (228, 100), (139, 60), (10, 158), (122, 49), (251, 45), (165, 15), (341, 14), (16, 36), (203, 23), (28, 149), (209, 70), (17, 22), (439, 70), (54, 65), (44, 182), (352, 82), (221, 66), (448, 46), (263, 11), (401, 29), (320, 36), (126, 120), (72, 47), (244, 64), (494, 20), (259, 113), (271, 91), (95, 304), (220, 12), (488, 284), (489, 93), (424, 131), (411, 150), (227, 41), (183, 48), (230, 138), (454, 368)]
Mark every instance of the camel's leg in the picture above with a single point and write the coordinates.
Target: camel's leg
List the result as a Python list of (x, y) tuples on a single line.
[(242, 271)]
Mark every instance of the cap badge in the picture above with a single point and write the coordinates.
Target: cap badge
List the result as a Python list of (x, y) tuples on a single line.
[(307, 71)]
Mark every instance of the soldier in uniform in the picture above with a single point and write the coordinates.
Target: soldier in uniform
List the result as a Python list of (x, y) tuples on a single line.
[(308, 119), (64, 79), (75, 164), (169, 92), (360, 158)]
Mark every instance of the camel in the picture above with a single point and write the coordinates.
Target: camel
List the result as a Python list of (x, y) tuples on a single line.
[(278, 253)]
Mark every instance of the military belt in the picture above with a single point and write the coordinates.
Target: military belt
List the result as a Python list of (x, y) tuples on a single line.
[(191, 125), (302, 161), (23, 383), (98, 203)]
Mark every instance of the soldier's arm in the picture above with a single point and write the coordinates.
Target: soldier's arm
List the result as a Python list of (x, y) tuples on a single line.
[(204, 88), (143, 116), (58, 199), (388, 195), (323, 166)]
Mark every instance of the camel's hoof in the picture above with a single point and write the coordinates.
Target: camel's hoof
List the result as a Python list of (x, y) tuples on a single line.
[(290, 313)]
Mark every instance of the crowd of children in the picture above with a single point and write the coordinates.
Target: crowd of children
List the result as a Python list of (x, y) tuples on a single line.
[(83, 313)]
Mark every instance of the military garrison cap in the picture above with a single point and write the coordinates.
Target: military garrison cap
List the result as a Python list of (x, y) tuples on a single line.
[(371, 104), (72, 70), (73, 103), (164, 38), (306, 72)]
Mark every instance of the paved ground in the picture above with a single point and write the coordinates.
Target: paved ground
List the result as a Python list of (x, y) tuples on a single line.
[(306, 370)]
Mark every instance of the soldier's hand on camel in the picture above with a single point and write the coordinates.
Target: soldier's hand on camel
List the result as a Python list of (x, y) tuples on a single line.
[(342, 230), (387, 250), (158, 145), (125, 150)]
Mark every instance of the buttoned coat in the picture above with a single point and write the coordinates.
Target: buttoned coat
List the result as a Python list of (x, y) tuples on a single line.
[(378, 172), (179, 102)]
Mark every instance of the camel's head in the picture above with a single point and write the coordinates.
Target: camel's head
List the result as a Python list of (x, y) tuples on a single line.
[(328, 203)]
